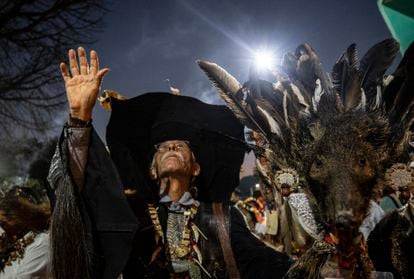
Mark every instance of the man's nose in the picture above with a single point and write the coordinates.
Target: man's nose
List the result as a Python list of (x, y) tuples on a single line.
[(172, 147)]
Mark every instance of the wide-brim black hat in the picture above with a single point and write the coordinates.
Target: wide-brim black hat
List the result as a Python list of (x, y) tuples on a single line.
[(215, 135)]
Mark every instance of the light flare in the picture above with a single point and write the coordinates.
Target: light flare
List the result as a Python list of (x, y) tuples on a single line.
[(264, 59)]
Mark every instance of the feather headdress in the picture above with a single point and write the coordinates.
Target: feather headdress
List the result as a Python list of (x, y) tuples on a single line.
[(289, 113), (339, 132)]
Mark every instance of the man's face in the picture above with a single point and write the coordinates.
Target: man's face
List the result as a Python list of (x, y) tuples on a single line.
[(174, 157), (405, 194), (285, 190)]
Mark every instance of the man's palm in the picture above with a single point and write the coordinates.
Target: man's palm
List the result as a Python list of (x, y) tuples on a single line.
[(82, 90)]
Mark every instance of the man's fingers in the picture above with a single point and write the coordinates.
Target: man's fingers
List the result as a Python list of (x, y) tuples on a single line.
[(73, 63), (97, 61), (101, 73), (83, 61), (94, 63), (64, 71)]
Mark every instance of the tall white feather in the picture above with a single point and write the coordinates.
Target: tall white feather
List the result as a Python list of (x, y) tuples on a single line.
[(363, 102), (301, 99), (378, 97), (285, 112), (317, 94)]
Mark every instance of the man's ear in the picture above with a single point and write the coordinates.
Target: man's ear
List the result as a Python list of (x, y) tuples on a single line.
[(196, 169), (153, 173)]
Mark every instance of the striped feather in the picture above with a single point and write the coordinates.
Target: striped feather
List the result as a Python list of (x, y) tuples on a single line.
[(227, 87)]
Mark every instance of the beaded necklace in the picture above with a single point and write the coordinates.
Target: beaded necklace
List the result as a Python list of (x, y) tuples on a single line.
[(257, 208), (187, 248), (16, 250)]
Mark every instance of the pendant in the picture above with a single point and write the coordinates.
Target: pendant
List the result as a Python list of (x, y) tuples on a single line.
[(181, 251)]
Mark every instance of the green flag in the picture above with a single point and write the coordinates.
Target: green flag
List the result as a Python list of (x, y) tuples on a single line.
[(399, 17)]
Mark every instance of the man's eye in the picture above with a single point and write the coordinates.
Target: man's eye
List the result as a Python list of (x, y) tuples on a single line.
[(161, 148)]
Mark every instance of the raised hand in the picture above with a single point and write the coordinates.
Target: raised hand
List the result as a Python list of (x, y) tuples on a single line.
[(83, 83)]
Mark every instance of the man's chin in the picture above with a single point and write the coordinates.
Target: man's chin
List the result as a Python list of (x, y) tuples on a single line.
[(166, 174), (170, 165), (171, 172)]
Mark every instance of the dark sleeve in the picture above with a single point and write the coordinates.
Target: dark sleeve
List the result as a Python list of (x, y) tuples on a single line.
[(78, 146), (108, 224), (255, 259)]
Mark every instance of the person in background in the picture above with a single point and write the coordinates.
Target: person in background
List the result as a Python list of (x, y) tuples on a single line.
[(24, 239), (390, 201), (396, 177)]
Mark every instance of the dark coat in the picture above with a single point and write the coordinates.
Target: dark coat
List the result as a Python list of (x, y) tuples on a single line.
[(108, 221)]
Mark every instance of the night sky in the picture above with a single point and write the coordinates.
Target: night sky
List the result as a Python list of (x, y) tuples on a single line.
[(146, 42)]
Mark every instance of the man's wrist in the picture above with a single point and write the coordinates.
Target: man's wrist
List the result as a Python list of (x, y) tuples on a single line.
[(78, 123), (81, 114)]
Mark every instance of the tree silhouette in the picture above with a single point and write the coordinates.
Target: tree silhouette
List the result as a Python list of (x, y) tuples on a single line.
[(34, 37)]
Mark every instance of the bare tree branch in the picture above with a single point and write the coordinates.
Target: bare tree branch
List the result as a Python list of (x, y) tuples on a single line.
[(34, 37)]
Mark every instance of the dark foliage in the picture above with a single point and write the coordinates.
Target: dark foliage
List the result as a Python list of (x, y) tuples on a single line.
[(34, 37)]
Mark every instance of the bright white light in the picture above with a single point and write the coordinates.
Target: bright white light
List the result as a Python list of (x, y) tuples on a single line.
[(257, 186), (264, 59)]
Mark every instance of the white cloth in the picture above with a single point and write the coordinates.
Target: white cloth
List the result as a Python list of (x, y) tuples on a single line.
[(179, 206), (34, 265), (260, 228), (375, 214)]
